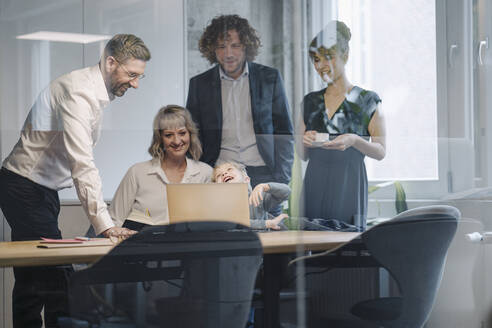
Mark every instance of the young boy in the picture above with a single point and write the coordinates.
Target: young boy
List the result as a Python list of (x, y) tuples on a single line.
[(262, 198)]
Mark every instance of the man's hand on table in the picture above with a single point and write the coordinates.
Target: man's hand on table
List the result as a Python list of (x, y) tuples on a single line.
[(117, 234)]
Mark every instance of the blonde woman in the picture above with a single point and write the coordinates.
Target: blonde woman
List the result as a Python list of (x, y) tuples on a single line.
[(175, 150)]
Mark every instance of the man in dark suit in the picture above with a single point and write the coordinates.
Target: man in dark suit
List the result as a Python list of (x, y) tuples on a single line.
[(240, 106)]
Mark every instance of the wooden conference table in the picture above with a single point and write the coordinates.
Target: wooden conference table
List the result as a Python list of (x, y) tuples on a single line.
[(275, 246), (26, 253)]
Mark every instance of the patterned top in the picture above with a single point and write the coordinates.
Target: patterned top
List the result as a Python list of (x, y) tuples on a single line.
[(352, 116)]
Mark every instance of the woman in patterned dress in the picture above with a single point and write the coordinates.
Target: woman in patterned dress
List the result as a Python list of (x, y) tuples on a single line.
[(335, 184)]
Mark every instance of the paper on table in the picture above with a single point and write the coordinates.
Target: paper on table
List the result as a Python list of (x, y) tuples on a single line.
[(89, 243), (60, 241)]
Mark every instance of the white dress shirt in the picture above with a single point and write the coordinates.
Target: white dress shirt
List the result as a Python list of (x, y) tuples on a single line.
[(55, 148), (143, 189), (238, 142)]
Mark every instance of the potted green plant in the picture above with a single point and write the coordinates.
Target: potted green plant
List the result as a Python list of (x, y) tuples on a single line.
[(400, 199)]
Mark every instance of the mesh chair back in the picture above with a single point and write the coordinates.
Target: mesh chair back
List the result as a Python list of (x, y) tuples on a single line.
[(183, 275), (413, 248)]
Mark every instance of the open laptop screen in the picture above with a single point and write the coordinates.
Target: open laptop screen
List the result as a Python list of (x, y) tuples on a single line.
[(191, 202)]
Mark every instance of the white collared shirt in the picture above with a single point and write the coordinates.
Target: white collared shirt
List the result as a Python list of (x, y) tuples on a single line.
[(143, 189), (238, 142), (55, 148)]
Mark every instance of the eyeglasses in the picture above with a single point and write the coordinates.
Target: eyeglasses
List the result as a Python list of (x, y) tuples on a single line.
[(132, 76)]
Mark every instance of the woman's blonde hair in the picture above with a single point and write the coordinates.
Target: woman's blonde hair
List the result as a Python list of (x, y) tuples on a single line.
[(173, 117)]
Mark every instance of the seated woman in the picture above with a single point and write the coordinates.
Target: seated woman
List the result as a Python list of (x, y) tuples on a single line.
[(175, 151)]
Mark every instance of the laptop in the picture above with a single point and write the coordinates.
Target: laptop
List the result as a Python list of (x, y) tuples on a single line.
[(195, 202)]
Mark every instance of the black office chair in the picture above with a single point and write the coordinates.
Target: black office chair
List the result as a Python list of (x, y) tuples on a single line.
[(412, 248), (183, 275)]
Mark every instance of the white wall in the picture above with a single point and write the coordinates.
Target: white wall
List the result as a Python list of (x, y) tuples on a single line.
[(25, 67), (28, 66), (128, 121)]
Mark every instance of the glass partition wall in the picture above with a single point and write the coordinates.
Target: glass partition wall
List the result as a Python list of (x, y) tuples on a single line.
[(423, 66)]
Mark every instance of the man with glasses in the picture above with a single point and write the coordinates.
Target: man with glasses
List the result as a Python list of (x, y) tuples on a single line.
[(55, 151)]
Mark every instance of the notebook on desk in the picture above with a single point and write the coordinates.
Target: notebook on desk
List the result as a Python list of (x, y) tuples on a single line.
[(195, 202)]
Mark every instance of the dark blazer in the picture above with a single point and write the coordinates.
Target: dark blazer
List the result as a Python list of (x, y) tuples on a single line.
[(270, 110)]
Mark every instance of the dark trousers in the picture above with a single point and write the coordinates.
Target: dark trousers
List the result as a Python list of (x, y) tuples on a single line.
[(262, 174), (32, 212)]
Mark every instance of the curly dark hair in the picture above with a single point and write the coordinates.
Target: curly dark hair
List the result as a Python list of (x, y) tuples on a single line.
[(218, 28)]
